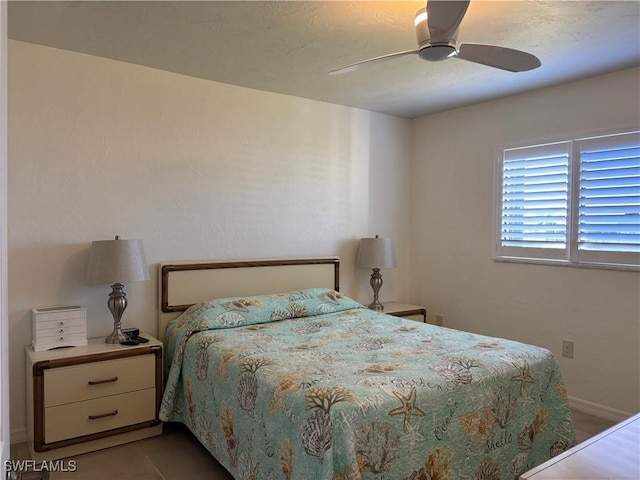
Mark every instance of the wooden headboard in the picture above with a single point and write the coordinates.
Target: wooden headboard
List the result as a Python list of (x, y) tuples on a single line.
[(184, 284)]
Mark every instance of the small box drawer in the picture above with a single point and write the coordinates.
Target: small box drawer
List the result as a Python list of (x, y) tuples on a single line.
[(98, 379), (98, 415), (61, 323), (58, 331), (66, 340)]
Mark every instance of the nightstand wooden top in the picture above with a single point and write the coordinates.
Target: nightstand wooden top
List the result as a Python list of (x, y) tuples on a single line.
[(394, 308), (95, 346)]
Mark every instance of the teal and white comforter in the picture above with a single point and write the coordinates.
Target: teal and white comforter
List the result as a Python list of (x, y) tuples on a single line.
[(311, 385)]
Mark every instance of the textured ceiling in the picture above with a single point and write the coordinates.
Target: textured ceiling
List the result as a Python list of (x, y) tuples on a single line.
[(289, 47)]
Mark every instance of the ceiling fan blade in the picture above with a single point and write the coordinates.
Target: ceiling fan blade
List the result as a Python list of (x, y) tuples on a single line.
[(498, 57), (372, 61), (444, 17)]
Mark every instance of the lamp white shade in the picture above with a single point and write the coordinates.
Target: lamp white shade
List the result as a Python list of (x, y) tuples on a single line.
[(117, 261), (376, 253)]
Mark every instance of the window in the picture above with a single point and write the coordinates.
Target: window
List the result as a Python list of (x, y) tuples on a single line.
[(572, 202)]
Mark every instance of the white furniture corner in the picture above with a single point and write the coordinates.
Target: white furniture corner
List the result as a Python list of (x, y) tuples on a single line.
[(612, 454)]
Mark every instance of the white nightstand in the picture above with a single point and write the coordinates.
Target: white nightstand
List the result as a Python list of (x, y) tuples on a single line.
[(406, 310), (81, 399)]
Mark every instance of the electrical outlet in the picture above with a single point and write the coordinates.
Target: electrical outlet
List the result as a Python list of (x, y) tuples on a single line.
[(439, 319), (567, 348)]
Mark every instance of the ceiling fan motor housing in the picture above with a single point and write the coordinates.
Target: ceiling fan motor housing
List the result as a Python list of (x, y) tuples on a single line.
[(437, 51)]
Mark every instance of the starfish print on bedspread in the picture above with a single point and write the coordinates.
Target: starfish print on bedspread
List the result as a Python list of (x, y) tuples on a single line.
[(408, 407), (523, 376)]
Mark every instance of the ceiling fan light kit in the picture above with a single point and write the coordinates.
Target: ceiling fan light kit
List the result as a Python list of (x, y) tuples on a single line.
[(437, 37)]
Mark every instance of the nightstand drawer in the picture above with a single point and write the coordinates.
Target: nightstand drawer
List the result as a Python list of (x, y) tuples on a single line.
[(84, 418), (93, 380)]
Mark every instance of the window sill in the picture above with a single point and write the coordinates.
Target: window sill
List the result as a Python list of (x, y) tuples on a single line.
[(564, 263)]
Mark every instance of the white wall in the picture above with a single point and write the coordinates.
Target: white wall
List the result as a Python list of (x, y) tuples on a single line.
[(452, 271), (196, 169)]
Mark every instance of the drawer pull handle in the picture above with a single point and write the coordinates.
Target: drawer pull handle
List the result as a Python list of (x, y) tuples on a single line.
[(103, 415), (106, 380)]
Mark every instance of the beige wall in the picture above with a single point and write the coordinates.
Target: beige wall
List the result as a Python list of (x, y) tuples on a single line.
[(452, 180), (196, 169)]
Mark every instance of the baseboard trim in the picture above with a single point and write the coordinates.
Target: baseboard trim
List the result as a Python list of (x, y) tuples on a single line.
[(598, 410), (18, 435)]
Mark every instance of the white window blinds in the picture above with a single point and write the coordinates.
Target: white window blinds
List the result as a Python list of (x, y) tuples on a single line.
[(535, 200), (609, 197), (573, 201)]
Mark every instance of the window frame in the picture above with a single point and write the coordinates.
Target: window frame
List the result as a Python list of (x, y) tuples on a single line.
[(570, 256)]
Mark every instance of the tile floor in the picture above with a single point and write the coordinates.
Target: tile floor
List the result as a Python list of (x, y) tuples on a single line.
[(586, 426), (177, 455)]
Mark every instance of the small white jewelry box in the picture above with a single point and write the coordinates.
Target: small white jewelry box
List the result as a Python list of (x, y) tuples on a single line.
[(58, 326)]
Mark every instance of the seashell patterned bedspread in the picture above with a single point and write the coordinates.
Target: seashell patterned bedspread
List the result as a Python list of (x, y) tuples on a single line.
[(311, 385)]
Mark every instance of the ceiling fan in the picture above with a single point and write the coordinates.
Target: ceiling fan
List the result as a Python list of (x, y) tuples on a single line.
[(437, 34)]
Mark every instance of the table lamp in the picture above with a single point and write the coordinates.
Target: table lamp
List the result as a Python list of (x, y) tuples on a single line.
[(376, 253), (116, 262)]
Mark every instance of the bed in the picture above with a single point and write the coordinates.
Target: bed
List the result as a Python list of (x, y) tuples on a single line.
[(279, 375)]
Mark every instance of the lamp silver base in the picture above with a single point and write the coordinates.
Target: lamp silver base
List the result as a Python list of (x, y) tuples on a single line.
[(377, 306), (116, 337), (117, 304), (376, 282)]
